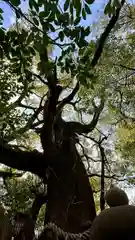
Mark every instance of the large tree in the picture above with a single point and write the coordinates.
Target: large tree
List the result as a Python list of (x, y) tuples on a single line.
[(70, 202)]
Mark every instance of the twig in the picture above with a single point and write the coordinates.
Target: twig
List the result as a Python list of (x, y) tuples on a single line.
[(40, 78), (117, 178), (25, 106), (69, 98)]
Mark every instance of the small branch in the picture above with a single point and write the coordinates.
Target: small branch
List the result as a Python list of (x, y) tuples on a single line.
[(40, 78), (73, 104), (27, 126), (123, 66), (16, 103), (36, 124), (105, 35), (25, 106), (80, 128), (69, 98), (117, 178), (102, 200)]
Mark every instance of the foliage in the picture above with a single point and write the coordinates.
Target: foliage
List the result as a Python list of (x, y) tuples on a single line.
[(96, 190), (17, 194), (28, 42), (126, 134), (113, 78)]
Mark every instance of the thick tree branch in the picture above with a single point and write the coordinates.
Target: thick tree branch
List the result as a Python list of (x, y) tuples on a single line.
[(81, 128), (22, 160), (4, 174), (49, 116), (105, 34)]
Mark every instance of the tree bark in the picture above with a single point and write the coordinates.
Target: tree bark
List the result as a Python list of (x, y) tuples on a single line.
[(70, 198), (33, 162)]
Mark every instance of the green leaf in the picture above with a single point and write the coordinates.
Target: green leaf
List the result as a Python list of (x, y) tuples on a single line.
[(83, 14), (16, 2), (51, 17), (26, 52), (89, 1), (58, 14), (117, 3), (87, 9), (30, 5), (71, 12), (18, 51), (2, 34), (51, 28), (36, 21), (87, 31), (38, 47), (42, 14), (65, 18), (35, 5), (108, 8), (78, 9), (14, 59), (1, 17), (40, 3), (29, 38), (1, 10), (12, 34), (71, 8), (82, 32), (61, 36), (75, 3), (34, 29), (82, 42), (1, 53), (77, 20), (24, 35), (66, 5), (13, 51), (31, 50)]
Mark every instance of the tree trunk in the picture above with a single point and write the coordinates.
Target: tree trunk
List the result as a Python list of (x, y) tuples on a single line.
[(70, 198)]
